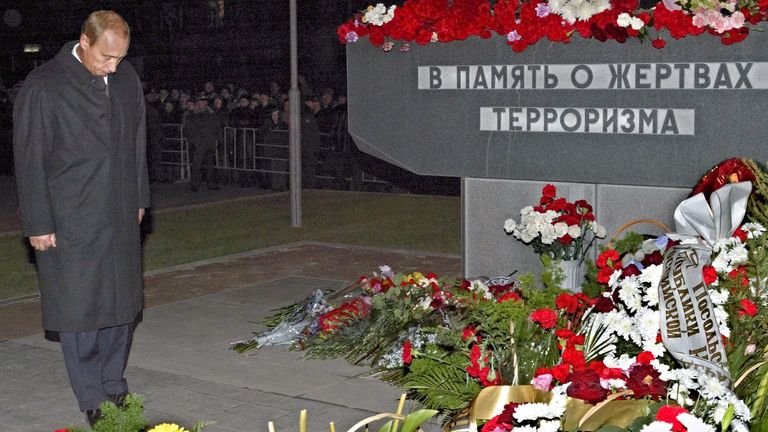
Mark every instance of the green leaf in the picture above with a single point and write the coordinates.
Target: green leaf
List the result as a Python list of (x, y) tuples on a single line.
[(415, 419), (727, 417), (386, 427)]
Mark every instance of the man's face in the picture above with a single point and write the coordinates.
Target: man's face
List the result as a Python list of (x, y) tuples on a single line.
[(244, 102), (102, 57)]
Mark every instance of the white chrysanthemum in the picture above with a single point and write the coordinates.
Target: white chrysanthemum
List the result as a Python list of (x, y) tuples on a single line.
[(711, 387), (738, 426), (651, 276), (657, 426), (693, 423), (753, 229), (719, 297), (651, 297), (623, 362), (614, 279), (657, 349), (648, 324), (659, 366), (526, 429), (680, 395), (530, 411), (687, 378), (629, 293), (509, 225)]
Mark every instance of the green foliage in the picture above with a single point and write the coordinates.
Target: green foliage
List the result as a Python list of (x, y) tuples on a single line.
[(440, 384), (757, 207), (415, 419), (129, 418)]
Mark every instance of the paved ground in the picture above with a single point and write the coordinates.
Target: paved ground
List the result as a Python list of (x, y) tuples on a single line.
[(180, 360)]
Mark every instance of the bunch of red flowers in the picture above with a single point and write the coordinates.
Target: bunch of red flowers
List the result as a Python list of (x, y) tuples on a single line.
[(525, 23), (357, 308)]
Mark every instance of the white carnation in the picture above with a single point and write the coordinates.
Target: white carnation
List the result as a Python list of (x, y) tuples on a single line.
[(574, 231)]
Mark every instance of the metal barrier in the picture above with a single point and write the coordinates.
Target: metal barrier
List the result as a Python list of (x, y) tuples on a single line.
[(244, 149)]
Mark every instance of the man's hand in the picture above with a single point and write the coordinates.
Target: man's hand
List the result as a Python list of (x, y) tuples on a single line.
[(43, 242), (141, 214)]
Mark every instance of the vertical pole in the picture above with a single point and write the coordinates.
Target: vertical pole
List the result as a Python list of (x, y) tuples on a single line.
[(295, 126)]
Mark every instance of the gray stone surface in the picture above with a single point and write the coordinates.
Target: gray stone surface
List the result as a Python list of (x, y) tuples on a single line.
[(441, 131), (487, 203), (181, 364)]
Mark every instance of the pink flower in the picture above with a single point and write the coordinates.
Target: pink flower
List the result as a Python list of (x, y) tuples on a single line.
[(543, 382)]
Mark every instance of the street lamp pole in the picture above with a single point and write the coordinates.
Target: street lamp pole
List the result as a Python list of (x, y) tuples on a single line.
[(295, 126)]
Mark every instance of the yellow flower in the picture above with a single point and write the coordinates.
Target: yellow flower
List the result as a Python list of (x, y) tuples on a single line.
[(167, 427)]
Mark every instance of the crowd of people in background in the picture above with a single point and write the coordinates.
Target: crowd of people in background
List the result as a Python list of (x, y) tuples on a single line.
[(205, 112)]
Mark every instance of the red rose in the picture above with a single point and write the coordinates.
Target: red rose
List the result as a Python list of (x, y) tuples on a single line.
[(710, 274), (545, 317), (652, 258), (747, 308), (669, 415), (604, 305), (659, 43), (644, 381), (630, 270), (407, 355), (585, 385)]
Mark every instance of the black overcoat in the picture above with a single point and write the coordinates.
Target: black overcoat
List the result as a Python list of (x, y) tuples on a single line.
[(81, 173)]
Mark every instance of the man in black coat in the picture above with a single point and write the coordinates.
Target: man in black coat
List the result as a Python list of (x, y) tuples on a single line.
[(202, 130), (79, 145)]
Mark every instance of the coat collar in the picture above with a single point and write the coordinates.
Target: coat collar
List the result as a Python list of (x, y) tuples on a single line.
[(72, 66)]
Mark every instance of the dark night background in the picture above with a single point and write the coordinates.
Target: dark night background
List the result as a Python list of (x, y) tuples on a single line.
[(182, 43)]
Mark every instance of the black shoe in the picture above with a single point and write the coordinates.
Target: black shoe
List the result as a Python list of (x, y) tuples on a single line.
[(92, 416), (118, 399)]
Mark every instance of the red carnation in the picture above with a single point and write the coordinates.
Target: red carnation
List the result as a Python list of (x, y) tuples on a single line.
[(607, 258), (545, 317), (585, 385), (407, 355), (710, 274), (567, 302), (645, 357), (659, 43), (747, 308), (509, 296), (506, 415), (669, 415), (561, 372), (549, 191)]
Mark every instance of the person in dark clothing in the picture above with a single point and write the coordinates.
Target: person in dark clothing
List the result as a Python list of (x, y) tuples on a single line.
[(202, 130), (155, 139), (343, 158), (81, 172), (243, 116)]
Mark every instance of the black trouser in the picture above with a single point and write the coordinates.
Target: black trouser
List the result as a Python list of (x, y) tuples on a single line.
[(203, 155), (96, 363)]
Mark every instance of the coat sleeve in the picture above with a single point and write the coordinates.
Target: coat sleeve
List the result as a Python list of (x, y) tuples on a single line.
[(31, 148), (142, 175)]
